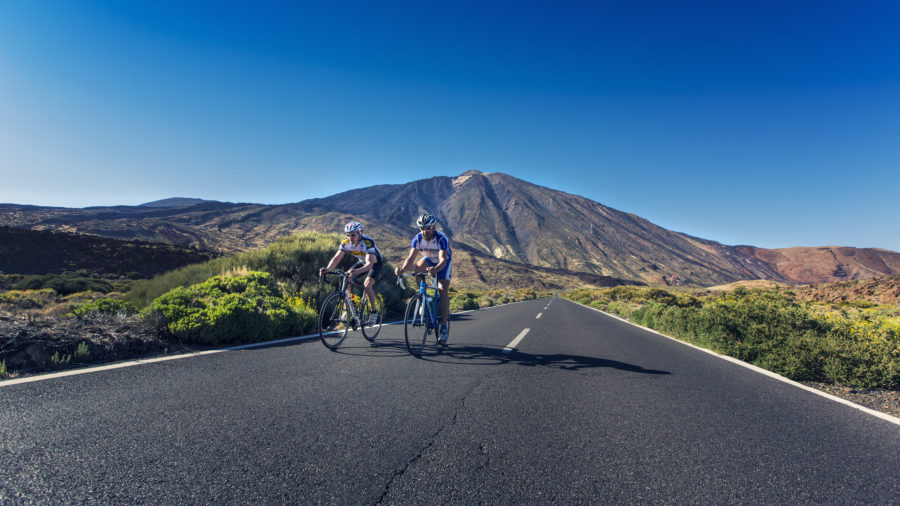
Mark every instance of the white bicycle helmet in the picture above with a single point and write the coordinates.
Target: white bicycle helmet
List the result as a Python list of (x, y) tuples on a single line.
[(353, 226), (426, 220)]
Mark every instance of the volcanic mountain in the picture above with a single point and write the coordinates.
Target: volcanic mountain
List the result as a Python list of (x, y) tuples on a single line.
[(503, 230)]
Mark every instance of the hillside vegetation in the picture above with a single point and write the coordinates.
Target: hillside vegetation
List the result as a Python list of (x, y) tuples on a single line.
[(855, 344), (246, 297)]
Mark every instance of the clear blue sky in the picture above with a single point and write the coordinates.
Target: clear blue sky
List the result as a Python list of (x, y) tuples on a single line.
[(774, 124)]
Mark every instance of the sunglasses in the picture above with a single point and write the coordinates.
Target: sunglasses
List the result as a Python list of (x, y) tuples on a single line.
[(423, 229), (353, 234)]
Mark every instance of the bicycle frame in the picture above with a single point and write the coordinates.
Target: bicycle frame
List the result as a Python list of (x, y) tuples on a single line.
[(435, 295), (346, 283), (355, 313), (423, 311)]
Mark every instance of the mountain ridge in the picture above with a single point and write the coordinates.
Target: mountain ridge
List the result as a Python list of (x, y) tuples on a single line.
[(495, 216)]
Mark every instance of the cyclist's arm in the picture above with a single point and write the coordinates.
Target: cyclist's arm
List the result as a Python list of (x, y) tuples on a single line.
[(335, 260), (408, 262), (366, 266), (442, 261)]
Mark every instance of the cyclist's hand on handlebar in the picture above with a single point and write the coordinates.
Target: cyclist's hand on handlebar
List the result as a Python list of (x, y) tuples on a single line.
[(398, 271)]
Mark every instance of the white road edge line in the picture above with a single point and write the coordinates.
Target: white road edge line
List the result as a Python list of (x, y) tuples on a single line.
[(131, 363), (512, 345), (879, 414), (538, 316), (142, 361)]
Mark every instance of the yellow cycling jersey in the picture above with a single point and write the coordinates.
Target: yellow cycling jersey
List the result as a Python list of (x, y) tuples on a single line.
[(365, 246)]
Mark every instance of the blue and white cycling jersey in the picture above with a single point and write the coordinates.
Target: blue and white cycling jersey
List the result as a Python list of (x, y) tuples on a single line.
[(432, 248)]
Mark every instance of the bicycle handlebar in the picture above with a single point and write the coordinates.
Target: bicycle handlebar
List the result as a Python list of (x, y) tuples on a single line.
[(338, 272), (418, 275)]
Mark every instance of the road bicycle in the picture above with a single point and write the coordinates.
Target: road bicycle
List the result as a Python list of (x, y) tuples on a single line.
[(423, 311), (343, 311)]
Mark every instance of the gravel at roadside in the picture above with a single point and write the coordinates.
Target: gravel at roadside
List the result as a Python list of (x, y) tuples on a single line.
[(885, 401)]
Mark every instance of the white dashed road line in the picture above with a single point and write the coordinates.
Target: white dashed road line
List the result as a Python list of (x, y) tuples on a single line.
[(512, 345)]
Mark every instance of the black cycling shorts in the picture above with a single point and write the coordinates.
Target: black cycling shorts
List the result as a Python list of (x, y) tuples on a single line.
[(373, 272)]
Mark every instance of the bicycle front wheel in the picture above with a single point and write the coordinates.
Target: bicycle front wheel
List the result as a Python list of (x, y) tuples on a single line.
[(334, 321), (416, 316), (370, 330)]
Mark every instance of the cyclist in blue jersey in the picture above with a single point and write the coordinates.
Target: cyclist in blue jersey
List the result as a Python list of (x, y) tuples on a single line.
[(436, 259), (363, 248)]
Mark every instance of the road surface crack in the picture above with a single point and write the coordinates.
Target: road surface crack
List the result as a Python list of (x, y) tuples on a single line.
[(431, 441)]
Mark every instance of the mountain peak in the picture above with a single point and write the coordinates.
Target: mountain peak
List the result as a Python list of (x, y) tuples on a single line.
[(465, 176)]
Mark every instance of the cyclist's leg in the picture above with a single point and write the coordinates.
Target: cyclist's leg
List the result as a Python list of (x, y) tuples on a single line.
[(444, 288), (369, 285), (372, 310), (443, 278), (423, 264)]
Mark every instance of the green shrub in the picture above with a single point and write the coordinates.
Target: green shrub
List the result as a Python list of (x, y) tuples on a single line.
[(27, 299), (57, 360), (104, 306), (225, 309), (660, 296), (293, 262), (861, 304), (81, 352), (484, 301), (64, 284), (525, 294), (771, 329), (462, 302)]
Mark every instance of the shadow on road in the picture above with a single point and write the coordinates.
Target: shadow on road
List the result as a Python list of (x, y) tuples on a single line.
[(477, 355), (483, 355), (560, 361)]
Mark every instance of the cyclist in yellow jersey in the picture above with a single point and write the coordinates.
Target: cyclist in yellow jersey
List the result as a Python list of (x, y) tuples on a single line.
[(363, 248)]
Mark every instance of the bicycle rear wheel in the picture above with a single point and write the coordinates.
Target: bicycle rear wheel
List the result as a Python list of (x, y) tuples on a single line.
[(370, 331), (416, 316), (334, 321)]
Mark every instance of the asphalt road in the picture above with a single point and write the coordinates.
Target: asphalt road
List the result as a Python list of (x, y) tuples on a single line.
[(586, 409)]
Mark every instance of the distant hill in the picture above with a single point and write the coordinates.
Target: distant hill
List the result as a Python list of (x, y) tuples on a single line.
[(883, 290), (503, 230), (53, 252), (828, 263), (177, 202)]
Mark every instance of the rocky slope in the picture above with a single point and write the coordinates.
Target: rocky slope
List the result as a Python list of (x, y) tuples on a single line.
[(884, 290), (53, 252)]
